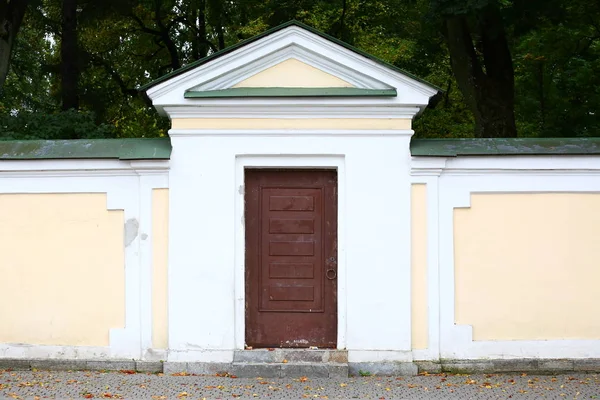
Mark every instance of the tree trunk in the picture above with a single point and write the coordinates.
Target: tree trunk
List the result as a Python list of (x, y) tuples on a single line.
[(195, 44), (164, 33), (490, 93), (11, 16), (342, 34), (201, 39), (221, 35), (69, 68)]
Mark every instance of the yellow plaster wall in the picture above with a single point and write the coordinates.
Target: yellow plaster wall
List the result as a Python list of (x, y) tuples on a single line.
[(284, 123), (293, 73), (61, 269), (419, 266), (160, 244), (526, 266)]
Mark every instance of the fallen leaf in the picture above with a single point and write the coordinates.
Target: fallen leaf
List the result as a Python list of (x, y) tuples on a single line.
[(182, 394), (127, 371)]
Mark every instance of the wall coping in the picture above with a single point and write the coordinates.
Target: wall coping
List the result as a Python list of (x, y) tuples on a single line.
[(504, 147), (160, 148), (121, 149)]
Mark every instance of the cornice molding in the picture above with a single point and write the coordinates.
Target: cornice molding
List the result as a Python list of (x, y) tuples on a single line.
[(81, 168), (287, 133), (502, 165), (325, 108), (292, 42)]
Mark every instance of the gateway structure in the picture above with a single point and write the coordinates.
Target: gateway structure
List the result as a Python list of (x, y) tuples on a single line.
[(289, 210)]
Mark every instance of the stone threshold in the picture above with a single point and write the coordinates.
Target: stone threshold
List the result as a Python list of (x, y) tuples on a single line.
[(314, 369), (527, 365), (80, 365), (291, 355)]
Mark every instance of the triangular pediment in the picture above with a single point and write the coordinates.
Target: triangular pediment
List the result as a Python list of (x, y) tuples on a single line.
[(292, 73), (293, 56)]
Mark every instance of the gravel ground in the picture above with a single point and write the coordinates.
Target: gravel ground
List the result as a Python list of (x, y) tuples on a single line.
[(130, 385)]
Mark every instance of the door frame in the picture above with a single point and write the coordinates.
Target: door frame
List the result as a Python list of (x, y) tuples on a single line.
[(243, 162)]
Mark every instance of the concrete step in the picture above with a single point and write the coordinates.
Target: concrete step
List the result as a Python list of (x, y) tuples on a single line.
[(289, 370), (291, 356)]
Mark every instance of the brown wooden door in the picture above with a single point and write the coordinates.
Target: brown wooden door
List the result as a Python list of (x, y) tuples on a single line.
[(291, 258)]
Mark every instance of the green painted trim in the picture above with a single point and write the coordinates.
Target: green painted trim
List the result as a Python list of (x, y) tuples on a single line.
[(122, 149), (504, 147), (291, 92), (245, 42)]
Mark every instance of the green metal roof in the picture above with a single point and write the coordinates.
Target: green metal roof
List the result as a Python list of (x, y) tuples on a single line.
[(291, 92), (122, 149), (242, 43), (504, 147), (160, 148)]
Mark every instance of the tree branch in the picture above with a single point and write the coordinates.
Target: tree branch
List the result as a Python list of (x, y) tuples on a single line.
[(143, 26), (101, 62)]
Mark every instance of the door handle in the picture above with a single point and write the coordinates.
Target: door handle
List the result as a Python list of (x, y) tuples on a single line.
[(331, 274)]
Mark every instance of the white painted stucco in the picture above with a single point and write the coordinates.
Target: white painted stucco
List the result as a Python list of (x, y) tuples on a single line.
[(213, 145), (127, 186), (206, 263), (453, 181), (365, 139)]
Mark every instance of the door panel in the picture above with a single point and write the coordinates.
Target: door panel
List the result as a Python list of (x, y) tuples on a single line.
[(291, 253)]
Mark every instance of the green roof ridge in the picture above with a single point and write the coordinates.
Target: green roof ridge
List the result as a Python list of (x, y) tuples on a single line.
[(504, 146), (291, 92), (122, 149), (267, 33)]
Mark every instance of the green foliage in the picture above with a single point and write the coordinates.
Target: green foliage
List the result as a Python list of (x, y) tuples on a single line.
[(123, 44), (557, 73), (63, 125)]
